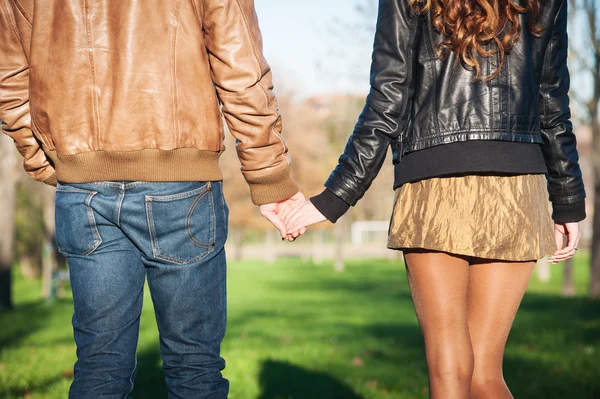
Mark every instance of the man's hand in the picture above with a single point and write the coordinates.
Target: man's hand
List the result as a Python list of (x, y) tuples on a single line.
[(301, 217), (276, 212)]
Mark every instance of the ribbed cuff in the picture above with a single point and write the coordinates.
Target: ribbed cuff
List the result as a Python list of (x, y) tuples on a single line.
[(568, 213), (52, 180), (273, 188), (330, 205)]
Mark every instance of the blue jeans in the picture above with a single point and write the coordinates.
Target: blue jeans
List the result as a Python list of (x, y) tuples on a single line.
[(114, 235)]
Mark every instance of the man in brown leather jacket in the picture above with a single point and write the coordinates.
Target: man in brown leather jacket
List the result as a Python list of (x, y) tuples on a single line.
[(120, 105)]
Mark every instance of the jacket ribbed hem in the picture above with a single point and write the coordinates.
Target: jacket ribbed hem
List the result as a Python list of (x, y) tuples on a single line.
[(154, 165), (276, 187), (183, 164), (52, 180)]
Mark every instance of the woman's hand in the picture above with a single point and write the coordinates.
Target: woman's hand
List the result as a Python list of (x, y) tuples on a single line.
[(571, 230), (301, 217), (276, 212)]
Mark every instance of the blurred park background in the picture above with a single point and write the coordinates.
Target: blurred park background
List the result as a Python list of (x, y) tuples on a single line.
[(329, 316)]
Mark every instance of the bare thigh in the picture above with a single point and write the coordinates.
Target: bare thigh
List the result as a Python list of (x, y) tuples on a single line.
[(439, 285), (495, 291)]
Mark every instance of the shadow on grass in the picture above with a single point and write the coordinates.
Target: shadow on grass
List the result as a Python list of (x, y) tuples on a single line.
[(282, 380), (12, 392), (150, 379), (24, 320)]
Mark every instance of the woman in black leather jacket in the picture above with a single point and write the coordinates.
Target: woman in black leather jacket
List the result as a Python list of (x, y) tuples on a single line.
[(471, 96)]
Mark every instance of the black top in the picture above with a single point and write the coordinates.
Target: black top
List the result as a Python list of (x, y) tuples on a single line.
[(463, 158)]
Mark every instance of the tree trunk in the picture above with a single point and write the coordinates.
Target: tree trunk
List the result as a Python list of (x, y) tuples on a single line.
[(339, 232), (270, 249), (595, 261), (568, 288), (590, 8), (318, 247), (49, 252), (236, 238), (8, 177), (543, 270)]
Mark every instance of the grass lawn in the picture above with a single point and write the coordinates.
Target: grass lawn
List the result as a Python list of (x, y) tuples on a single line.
[(303, 331)]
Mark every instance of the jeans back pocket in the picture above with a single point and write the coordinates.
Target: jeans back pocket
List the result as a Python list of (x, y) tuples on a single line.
[(76, 229), (182, 226)]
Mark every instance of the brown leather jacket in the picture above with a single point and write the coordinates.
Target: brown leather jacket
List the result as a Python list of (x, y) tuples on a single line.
[(125, 90)]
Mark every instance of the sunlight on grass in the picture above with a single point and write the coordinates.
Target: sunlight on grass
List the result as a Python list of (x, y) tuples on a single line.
[(302, 331)]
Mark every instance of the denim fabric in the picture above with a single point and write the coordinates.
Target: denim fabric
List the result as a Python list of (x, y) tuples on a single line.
[(117, 234)]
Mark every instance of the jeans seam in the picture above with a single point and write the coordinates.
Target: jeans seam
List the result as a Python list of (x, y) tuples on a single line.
[(151, 228), (118, 207)]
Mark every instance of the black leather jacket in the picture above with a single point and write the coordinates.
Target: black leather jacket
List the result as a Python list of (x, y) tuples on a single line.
[(418, 101)]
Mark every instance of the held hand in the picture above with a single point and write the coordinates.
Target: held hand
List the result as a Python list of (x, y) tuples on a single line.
[(275, 213), (302, 217), (571, 230)]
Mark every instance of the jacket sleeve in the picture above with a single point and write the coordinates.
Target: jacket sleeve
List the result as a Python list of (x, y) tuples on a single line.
[(14, 97), (565, 184), (387, 109), (244, 86)]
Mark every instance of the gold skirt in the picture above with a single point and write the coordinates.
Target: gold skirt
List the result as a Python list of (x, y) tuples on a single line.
[(491, 217)]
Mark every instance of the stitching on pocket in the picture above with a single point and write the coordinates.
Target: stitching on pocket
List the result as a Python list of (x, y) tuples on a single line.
[(201, 192), (173, 197), (91, 220), (93, 225), (188, 222)]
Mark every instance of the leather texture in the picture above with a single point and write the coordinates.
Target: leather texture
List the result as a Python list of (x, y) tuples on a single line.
[(418, 101), (80, 77)]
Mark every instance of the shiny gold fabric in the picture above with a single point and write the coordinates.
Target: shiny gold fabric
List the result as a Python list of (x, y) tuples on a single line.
[(493, 217)]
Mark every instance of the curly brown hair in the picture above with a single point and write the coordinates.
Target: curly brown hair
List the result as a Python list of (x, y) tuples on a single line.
[(472, 27)]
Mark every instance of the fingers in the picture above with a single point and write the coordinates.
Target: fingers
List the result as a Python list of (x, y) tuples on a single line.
[(292, 222), (573, 236), (277, 222)]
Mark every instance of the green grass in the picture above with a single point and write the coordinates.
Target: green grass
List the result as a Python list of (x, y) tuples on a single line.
[(302, 331)]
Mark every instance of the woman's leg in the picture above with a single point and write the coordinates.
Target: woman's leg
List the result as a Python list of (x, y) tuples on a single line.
[(495, 291), (438, 283)]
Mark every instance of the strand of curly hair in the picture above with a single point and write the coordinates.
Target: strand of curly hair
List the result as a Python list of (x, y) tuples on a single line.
[(470, 26)]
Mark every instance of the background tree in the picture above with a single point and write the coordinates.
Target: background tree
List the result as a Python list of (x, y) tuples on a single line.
[(586, 57), (8, 176)]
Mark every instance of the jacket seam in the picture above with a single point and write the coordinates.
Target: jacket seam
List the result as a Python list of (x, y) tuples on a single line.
[(90, 42), (252, 43), (195, 8), (173, 62), (340, 185), (434, 80), (410, 71), (23, 12), (502, 131), (43, 137), (13, 22), (272, 126)]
